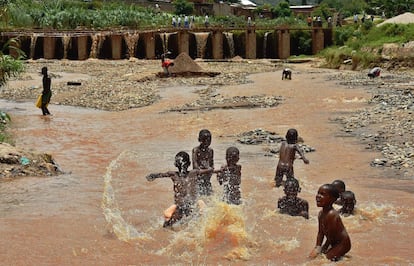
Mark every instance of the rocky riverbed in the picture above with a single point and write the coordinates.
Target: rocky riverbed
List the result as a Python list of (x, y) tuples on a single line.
[(385, 125)]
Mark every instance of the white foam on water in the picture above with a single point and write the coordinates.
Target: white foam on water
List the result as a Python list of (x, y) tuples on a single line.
[(113, 215)]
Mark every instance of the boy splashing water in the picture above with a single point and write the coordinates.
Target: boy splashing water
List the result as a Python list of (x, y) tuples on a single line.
[(185, 188)]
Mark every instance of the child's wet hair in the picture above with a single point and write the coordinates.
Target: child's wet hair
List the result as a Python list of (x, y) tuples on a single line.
[(185, 157), (292, 183), (232, 150), (348, 195), (332, 190), (339, 184), (204, 133), (292, 136)]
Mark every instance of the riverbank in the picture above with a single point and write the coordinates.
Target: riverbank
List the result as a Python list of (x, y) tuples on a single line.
[(103, 209), (385, 125)]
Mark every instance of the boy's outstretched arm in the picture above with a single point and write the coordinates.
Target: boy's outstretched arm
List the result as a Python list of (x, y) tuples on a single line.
[(319, 239), (153, 176)]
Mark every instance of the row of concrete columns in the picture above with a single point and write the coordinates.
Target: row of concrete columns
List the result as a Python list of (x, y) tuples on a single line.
[(283, 47)]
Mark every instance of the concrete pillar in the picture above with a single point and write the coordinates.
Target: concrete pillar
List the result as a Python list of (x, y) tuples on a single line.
[(183, 42), (217, 44), (317, 40), (82, 43), (251, 43), (283, 40), (116, 46), (49, 46), (13, 47), (149, 40)]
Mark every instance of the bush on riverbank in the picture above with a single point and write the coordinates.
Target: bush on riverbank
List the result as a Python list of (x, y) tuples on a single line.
[(4, 122), (363, 44)]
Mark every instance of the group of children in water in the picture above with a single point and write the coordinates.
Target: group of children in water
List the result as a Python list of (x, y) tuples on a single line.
[(189, 185)]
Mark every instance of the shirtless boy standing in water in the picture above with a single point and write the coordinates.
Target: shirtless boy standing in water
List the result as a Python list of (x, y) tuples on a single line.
[(185, 190), (203, 158), (229, 176), (287, 155), (337, 242)]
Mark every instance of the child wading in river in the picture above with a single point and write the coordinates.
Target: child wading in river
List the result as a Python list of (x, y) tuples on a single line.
[(185, 189), (337, 242), (203, 158), (287, 155), (229, 176), (291, 204)]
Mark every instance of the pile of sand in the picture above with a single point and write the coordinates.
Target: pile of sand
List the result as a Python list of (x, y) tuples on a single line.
[(405, 18), (184, 63)]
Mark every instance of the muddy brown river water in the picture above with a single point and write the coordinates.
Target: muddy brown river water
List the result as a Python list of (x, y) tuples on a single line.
[(104, 212)]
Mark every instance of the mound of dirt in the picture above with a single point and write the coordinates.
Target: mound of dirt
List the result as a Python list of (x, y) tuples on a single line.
[(17, 163), (405, 18), (184, 63)]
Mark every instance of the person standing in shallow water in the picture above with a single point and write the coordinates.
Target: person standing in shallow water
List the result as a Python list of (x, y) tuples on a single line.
[(47, 92), (203, 158), (291, 204), (185, 190), (230, 177), (287, 155), (337, 242)]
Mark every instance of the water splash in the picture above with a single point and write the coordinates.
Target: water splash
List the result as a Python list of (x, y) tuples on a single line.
[(219, 229), (201, 40), (165, 37), (97, 42), (265, 44), (230, 42), (33, 40), (131, 40), (113, 215), (380, 212), (67, 41)]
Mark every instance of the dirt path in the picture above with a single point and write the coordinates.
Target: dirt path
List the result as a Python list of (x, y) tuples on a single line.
[(108, 154)]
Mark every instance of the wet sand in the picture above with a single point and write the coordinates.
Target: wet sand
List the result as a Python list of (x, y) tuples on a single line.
[(104, 212)]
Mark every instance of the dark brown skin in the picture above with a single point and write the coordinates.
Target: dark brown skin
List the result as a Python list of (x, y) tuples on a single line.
[(185, 187), (291, 204), (46, 93), (203, 158), (230, 177), (349, 201), (331, 227), (287, 156)]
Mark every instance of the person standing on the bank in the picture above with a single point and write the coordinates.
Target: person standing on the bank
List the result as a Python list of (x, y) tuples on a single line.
[(47, 92)]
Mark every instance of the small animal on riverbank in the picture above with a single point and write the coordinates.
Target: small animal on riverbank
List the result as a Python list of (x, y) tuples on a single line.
[(287, 73)]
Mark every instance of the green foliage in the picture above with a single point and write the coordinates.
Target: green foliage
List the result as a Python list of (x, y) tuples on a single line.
[(342, 35), (363, 43), (282, 10), (4, 122), (183, 7), (323, 11), (301, 42), (10, 66), (347, 8)]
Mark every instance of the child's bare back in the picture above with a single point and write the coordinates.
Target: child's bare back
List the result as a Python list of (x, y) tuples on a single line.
[(287, 156)]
